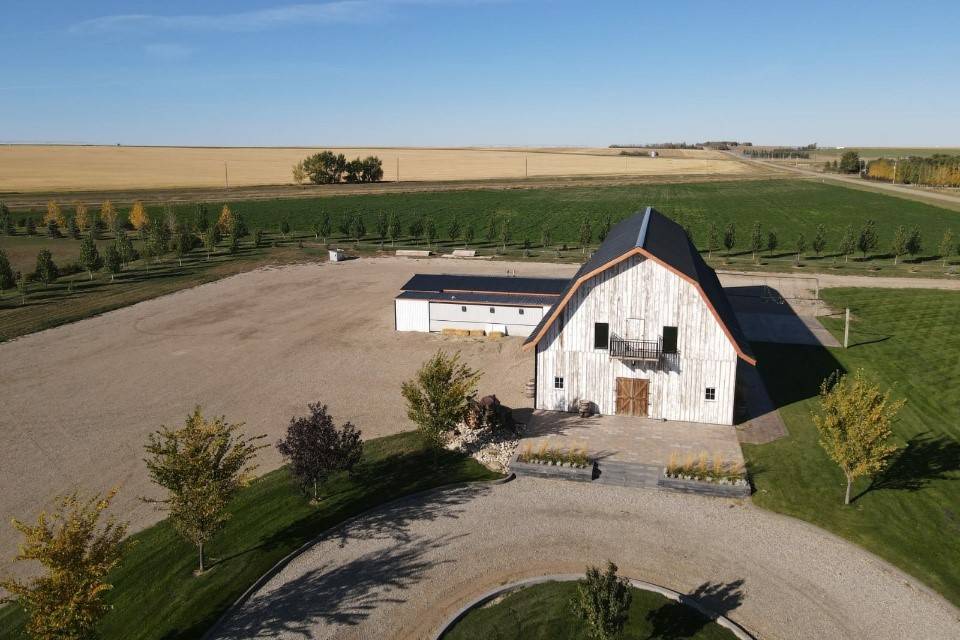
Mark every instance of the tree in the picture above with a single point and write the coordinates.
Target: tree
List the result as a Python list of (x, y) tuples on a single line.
[(7, 278), (854, 425), (945, 247), (54, 214), (430, 230), (53, 229), (324, 226), (800, 246), (914, 242), (225, 221), (505, 233), (898, 247), (439, 397), (124, 247), (730, 237), (6, 220), (108, 215), (867, 241), (89, 255), (416, 228), (112, 261), (383, 223), (285, 228), (605, 229), (81, 216), (819, 240), (299, 173), (316, 448), (772, 242), (849, 162), (258, 238), (46, 271), (182, 243), (756, 240), (31, 227), (211, 239), (545, 236), (201, 221), (159, 240), (138, 216), (372, 169), (454, 230), (713, 239), (240, 225), (201, 465), (354, 171), (233, 243), (847, 243), (490, 231), (73, 229), (603, 602), (394, 228), (77, 551), (23, 286), (586, 235), (325, 167), (343, 225), (358, 229)]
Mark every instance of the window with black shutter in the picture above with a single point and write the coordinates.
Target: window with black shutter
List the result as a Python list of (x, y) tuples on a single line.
[(669, 339), (601, 335)]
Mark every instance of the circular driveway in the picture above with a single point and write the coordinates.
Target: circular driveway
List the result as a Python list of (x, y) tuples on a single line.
[(401, 571)]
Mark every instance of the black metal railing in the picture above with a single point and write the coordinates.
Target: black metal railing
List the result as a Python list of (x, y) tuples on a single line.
[(646, 350)]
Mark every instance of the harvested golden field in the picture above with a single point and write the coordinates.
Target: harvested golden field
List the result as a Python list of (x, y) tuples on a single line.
[(82, 168)]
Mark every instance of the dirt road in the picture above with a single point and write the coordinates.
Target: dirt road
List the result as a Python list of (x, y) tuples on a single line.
[(401, 571)]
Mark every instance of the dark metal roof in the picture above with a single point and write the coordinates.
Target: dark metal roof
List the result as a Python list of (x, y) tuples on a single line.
[(503, 299), (487, 284), (665, 240)]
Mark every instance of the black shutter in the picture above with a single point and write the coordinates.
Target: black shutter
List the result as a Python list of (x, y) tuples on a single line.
[(669, 339), (601, 335)]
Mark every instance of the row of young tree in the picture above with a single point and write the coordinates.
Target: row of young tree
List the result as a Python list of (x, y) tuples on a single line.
[(864, 240), (328, 167), (938, 170)]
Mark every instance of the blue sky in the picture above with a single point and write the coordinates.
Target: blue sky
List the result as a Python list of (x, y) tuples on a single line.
[(478, 72)]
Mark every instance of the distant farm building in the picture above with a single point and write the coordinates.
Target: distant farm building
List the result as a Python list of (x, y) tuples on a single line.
[(508, 305)]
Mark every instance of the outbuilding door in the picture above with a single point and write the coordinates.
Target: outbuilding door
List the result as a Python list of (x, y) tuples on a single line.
[(633, 397)]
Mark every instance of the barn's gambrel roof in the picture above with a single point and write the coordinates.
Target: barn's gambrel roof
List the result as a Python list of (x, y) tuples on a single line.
[(656, 237)]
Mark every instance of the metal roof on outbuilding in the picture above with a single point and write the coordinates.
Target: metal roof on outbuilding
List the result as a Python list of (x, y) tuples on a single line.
[(446, 283), (468, 297)]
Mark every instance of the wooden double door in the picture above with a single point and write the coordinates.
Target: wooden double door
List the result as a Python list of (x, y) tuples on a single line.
[(633, 397)]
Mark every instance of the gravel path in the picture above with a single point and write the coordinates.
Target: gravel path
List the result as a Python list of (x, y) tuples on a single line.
[(401, 571)]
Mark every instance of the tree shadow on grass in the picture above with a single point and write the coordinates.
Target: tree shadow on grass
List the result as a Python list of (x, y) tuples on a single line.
[(925, 458), (678, 620)]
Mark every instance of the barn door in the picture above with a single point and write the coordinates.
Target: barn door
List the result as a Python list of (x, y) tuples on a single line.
[(633, 397)]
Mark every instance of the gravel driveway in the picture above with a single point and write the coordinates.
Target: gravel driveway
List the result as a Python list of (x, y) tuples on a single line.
[(401, 571)]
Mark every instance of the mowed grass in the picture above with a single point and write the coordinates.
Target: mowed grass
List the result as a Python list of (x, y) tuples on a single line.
[(543, 612), (907, 341), (156, 595)]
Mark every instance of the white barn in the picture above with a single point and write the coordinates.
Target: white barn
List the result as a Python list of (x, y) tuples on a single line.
[(509, 305), (644, 328)]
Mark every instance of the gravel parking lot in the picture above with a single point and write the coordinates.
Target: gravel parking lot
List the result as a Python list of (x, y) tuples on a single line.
[(79, 400)]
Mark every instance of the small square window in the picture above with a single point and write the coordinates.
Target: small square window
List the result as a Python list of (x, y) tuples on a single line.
[(710, 393), (521, 311), (491, 309), (464, 309), (558, 382)]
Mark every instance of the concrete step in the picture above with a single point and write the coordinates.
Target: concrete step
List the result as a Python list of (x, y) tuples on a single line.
[(627, 474)]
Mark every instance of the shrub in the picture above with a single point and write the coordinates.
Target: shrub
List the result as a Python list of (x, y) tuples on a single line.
[(603, 602)]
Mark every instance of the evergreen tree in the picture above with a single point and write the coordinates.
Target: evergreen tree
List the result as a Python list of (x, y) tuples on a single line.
[(73, 229), (772, 242), (914, 242), (605, 229), (284, 228), (7, 278), (819, 240), (46, 271), (53, 229), (89, 255), (730, 237)]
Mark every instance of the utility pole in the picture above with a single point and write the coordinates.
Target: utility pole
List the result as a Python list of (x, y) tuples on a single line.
[(226, 177), (398, 167), (846, 329), (895, 170), (526, 172)]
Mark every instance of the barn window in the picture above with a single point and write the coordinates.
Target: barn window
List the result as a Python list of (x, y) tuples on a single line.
[(464, 309), (557, 382), (491, 309), (521, 311), (710, 393), (601, 335), (669, 339)]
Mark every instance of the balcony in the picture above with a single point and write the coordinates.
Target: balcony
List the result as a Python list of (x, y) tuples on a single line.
[(639, 350)]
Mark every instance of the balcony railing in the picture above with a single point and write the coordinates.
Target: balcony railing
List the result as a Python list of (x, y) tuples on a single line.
[(639, 350)]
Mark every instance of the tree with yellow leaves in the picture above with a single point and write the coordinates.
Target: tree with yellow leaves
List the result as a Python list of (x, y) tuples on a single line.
[(77, 552), (138, 216), (854, 425), (108, 215), (202, 465), (55, 214), (226, 220), (81, 217)]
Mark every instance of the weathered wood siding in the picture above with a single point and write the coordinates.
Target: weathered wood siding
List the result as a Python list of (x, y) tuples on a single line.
[(637, 298)]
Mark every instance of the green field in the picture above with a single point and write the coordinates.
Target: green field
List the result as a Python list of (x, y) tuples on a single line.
[(542, 612), (155, 594), (906, 340), (869, 153)]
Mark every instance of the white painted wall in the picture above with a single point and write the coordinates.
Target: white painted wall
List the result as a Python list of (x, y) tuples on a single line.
[(412, 315), (639, 296)]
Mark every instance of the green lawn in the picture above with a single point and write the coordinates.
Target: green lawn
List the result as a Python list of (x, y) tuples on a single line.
[(906, 340), (155, 594), (543, 612)]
